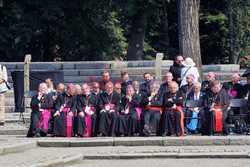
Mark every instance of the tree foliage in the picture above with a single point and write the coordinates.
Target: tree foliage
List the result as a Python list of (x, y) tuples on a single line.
[(100, 30)]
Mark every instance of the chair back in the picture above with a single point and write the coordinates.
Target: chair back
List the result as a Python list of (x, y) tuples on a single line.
[(194, 103), (29, 94), (238, 102)]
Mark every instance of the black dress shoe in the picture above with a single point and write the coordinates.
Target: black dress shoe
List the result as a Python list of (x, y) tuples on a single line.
[(178, 134), (100, 135), (1, 123), (165, 134), (146, 130), (38, 135)]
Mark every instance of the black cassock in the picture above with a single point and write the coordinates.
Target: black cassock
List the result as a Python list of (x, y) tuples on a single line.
[(206, 86), (187, 88), (231, 87), (220, 99), (171, 117), (63, 124), (46, 103), (107, 120), (152, 111), (128, 123), (164, 87), (82, 102)]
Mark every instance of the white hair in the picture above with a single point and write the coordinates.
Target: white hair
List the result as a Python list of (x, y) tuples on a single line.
[(43, 84), (197, 84)]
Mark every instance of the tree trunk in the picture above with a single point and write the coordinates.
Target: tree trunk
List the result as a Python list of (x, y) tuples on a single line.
[(137, 37), (166, 28), (231, 34), (188, 31)]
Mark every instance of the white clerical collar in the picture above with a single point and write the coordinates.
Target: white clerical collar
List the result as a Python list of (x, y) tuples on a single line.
[(197, 94)]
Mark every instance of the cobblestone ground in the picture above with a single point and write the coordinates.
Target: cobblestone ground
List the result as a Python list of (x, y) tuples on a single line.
[(165, 163), (41, 155)]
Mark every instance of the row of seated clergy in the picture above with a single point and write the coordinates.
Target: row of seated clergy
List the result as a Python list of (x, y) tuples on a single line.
[(161, 114)]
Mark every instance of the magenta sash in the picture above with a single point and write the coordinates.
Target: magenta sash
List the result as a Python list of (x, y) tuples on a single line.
[(69, 122), (111, 106), (138, 110), (44, 119), (88, 122), (233, 93)]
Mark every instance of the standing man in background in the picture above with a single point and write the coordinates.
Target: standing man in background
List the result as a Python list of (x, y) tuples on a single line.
[(176, 68), (3, 89), (49, 83)]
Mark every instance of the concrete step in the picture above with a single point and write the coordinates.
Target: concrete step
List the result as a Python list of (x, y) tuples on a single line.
[(10, 109), (17, 120), (15, 115), (9, 101), (16, 128), (146, 141), (9, 93)]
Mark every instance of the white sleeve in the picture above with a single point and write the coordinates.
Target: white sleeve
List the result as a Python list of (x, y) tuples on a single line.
[(4, 74), (182, 73)]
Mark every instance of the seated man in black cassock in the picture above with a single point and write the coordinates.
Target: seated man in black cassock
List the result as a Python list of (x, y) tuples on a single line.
[(78, 90), (96, 89), (59, 89), (233, 88), (118, 90), (86, 113), (152, 104), (207, 85), (216, 105), (127, 122), (41, 105), (189, 86), (173, 115), (109, 107), (245, 92), (137, 91), (167, 79), (65, 110)]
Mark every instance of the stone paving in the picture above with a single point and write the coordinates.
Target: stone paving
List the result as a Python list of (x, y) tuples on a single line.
[(165, 163), (52, 156), (17, 150)]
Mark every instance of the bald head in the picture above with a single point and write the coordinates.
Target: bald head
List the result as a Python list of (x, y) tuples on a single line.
[(85, 89), (168, 77), (60, 88), (235, 77), (136, 85), (211, 76), (109, 87), (118, 88), (173, 87), (78, 90)]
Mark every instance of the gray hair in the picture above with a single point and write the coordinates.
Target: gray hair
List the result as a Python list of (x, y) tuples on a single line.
[(197, 84), (77, 86), (137, 83)]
